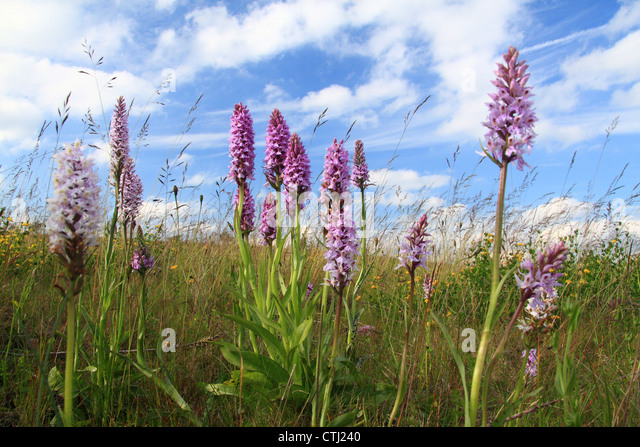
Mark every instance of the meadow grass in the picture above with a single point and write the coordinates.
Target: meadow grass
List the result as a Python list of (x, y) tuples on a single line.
[(189, 289)]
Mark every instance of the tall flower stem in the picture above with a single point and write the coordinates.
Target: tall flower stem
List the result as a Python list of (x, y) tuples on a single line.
[(493, 300), (332, 361), (364, 230), (70, 358), (403, 365), (485, 385), (413, 254), (497, 247), (142, 325), (248, 271), (320, 352), (363, 271), (295, 264)]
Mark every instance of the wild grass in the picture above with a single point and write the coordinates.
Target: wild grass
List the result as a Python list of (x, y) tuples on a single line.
[(189, 289)]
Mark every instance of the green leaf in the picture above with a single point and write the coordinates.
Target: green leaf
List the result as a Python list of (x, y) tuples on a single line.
[(300, 333), (165, 384), (55, 379), (271, 340), (254, 362), (221, 389), (344, 420), (458, 360), (231, 387), (511, 406)]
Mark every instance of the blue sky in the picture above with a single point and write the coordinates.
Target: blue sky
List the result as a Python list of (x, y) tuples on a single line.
[(364, 61)]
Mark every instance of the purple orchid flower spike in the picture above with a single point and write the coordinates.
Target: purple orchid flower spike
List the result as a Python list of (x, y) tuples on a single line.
[(511, 115), (119, 138), (268, 220), (241, 146), (297, 173), (360, 174), (414, 247), (247, 219), (75, 217), (277, 139)]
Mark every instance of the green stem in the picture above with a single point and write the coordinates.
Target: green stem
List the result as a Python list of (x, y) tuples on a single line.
[(363, 268), (142, 325), (493, 300), (101, 343), (332, 363), (320, 352), (405, 349), (69, 362), (485, 385)]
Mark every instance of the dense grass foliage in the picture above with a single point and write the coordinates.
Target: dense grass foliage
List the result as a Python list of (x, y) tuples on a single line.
[(190, 288)]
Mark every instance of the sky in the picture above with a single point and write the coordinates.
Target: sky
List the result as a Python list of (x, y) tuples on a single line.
[(362, 68)]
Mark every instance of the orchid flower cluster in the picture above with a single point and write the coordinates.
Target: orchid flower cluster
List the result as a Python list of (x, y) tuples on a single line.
[(538, 288), (414, 247), (511, 116), (342, 244), (142, 260), (428, 286), (268, 220), (74, 221), (360, 174), (248, 209), (287, 170), (277, 139), (241, 170), (119, 139), (531, 369), (123, 170), (297, 174)]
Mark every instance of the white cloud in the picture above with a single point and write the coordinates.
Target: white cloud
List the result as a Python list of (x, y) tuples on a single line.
[(408, 179), (449, 40), (165, 5), (405, 186), (202, 178), (363, 103), (213, 38), (33, 89), (101, 154), (196, 141), (557, 210), (56, 29), (626, 18), (603, 68)]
